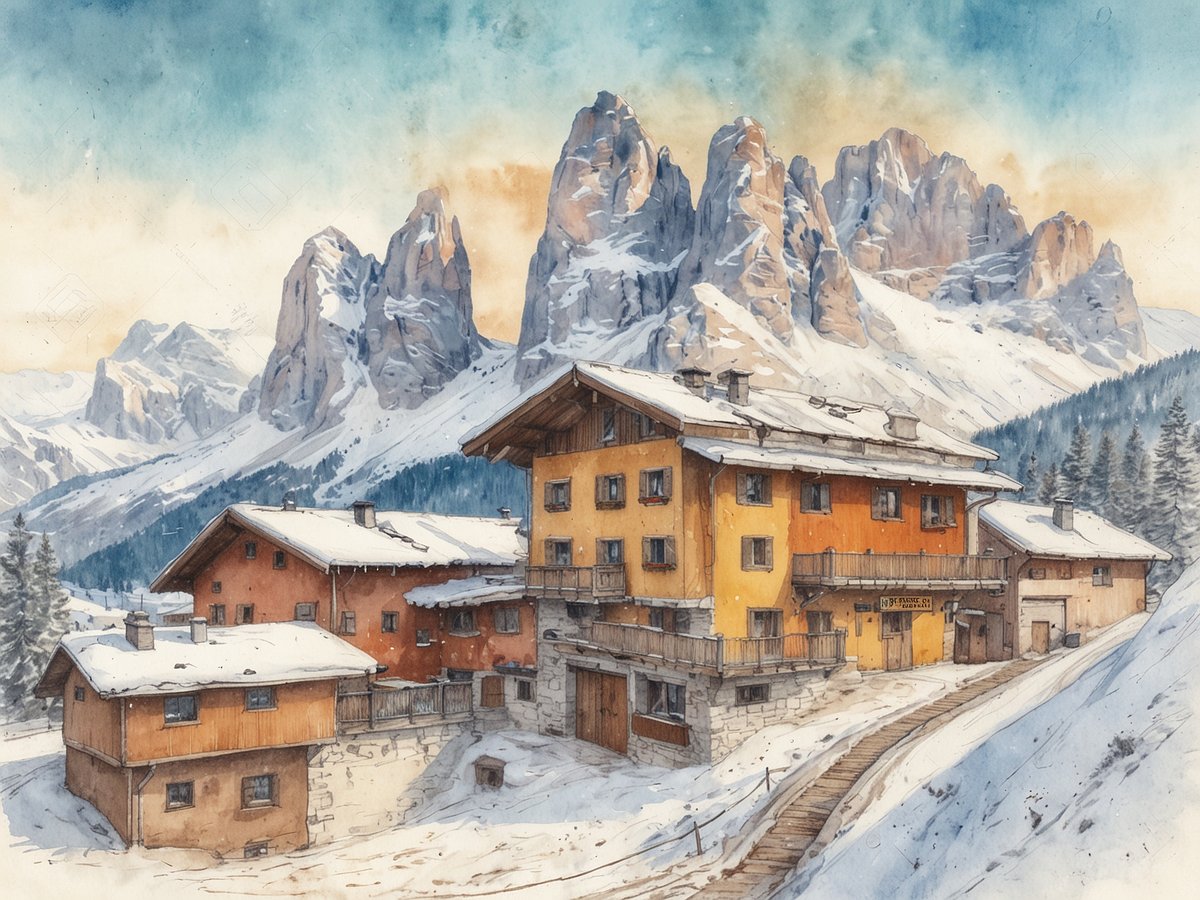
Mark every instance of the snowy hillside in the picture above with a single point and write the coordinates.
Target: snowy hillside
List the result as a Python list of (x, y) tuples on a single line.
[(1171, 330), (1091, 794)]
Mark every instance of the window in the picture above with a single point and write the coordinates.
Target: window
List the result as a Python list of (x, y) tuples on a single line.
[(1102, 576), (251, 548), (182, 708), (349, 623), (672, 621), (610, 491), (657, 619), (260, 698), (766, 623), (180, 794), (608, 426), (462, 621), (216, 587), (757, 553), (558, 495), (814, 497), (280, 561), (665, 700), (647, 427), (306, 612), (819, 622), (245, 614), (654, 486), (507, 620), (388, 622), (748, 694), (577, 610), (885, 503), (610, 552), (658, 552), (424, 637), (80, 693), (258, 790), (937, 511), (754, 489), (255, 850), (1038, 574), (525, 690), (216, 614), (558, 551)]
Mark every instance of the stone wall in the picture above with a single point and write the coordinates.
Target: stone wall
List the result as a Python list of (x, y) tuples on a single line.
[(792, 696)]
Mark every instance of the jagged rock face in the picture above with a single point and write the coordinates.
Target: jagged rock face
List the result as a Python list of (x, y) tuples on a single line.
[(313, 368), (160, 383), (618, 224), (420, 330), (897, 206)]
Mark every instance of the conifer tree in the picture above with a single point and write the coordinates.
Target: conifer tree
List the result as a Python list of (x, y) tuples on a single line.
[(1076, 466), (20, 634), (1049, 491), (50, 598), (1031, 477), (1100, 479), (1172, 521), (1131, 486)]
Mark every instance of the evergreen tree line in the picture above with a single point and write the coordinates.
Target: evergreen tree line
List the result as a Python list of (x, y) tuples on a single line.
[(33, 616), (1152, 492)]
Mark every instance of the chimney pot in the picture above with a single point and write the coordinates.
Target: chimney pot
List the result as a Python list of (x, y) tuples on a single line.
[(505, 512), (1064, 514), (199, 630), (902, 424), (693, 378), (364, 513), (737, 386), (138, 630), (289, 501)]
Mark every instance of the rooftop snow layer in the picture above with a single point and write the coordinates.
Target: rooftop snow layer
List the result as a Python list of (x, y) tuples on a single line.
[(240, 655), (468, 591), (788, 458), (1032, 529)]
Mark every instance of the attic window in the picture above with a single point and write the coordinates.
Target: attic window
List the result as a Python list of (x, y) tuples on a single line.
[(306, 612), (216, 587), (251, 548), (280, 560), (937, 511), (608, 426), (1101, 576), (80, 694)]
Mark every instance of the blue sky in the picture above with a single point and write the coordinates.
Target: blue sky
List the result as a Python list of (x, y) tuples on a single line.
[(169, 159)]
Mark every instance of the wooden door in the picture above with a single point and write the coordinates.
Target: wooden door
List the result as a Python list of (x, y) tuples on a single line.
[(995, 637), (962, 640), (602, 709), (1041, 637), (491, 691), (897, 640)]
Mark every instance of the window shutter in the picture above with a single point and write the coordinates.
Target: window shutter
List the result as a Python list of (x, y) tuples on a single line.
[(567, 485), (247, 791), (667, 479), (742, 480), (600, 493), (768, 497), (548, 495), (823, 493), (601, 556), (621, 489), (747, 552), (877, 503), (669, 549), (643, 484), (645, 550), (948, 510), (548, 558), (770, 554), (926, 510)]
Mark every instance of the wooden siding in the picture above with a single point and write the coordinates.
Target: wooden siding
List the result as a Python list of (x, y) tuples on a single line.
[(586, 434), (216, 820), (91, 722), (105, 786), (304, 714)]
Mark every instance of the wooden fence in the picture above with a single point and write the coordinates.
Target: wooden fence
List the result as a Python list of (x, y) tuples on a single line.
[(383, 705)]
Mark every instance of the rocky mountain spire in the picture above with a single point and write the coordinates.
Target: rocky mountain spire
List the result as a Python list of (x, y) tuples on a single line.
[(618, 222), (419, 330)]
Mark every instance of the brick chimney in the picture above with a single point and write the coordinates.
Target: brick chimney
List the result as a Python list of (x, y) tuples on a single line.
[(364, 513), (199, 630), (1064, 514), (902, 424), (693, 378), (737, 385), (138, 630)]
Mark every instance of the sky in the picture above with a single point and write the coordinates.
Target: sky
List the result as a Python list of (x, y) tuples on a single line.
[(168, 160)]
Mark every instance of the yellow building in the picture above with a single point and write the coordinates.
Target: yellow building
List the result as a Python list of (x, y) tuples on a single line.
[(705, 555)]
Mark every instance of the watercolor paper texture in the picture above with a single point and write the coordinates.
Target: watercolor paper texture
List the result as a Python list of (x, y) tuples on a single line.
[(706, 448)]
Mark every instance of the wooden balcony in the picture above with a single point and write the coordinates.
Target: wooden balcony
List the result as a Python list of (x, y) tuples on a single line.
[(381, 707), (898, 570), (720, 655), (575, 583)]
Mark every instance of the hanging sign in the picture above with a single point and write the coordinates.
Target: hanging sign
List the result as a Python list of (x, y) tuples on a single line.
[(907, 603)]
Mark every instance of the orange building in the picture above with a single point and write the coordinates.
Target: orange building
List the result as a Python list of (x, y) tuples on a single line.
[(350, 571), (704, 555), (183, 737)]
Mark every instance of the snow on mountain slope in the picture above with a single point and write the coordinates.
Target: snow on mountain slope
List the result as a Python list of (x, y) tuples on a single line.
[(30, 395), (1090, 794), (1172, 331)]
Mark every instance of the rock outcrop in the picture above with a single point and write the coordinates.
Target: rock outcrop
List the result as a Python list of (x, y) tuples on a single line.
[(618, 224)]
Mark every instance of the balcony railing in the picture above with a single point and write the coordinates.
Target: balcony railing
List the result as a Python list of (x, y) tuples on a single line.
[(832, 569), (717, 654), (390, 707), (575, 582)]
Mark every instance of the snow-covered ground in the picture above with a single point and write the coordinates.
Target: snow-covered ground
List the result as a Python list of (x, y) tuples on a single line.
[(567, 807), (1094, 793)]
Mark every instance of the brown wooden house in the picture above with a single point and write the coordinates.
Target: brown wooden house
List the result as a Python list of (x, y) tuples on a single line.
[(184, 737)]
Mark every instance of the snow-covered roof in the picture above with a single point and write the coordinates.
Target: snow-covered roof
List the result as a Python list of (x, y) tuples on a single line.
[(1031, 528), (775, 409), (276, 653), (331, 537), (805, 460), (468, 591)]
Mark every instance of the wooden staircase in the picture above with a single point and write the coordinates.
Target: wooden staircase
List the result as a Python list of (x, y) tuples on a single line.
[(802, 819)]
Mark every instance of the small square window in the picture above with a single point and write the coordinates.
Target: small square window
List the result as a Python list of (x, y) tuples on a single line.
[(180, 794), (258, 790), (245, 614), (507, 620), (251, 548), (610, 491), (654, 486), (349, 623), (665, 700), (757, 553), (577, 610), (424, 637), (80, 693), (558, 495), (182, 708), (610, 552), (216, 614), (754, 489), (255, 850), (388, 622), (658, 553), (260, 698), (1037, 574), (748, 694), (306, 612), (885, 503), (558, 552), (216, 587), (462, 622), (525, 690), (656, 617), (937, 511), (280, 560), (1102, 576), (766, 623), (814, 497)]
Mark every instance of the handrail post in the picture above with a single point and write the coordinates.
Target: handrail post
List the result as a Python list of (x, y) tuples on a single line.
[(721, 654), (370, 707)]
